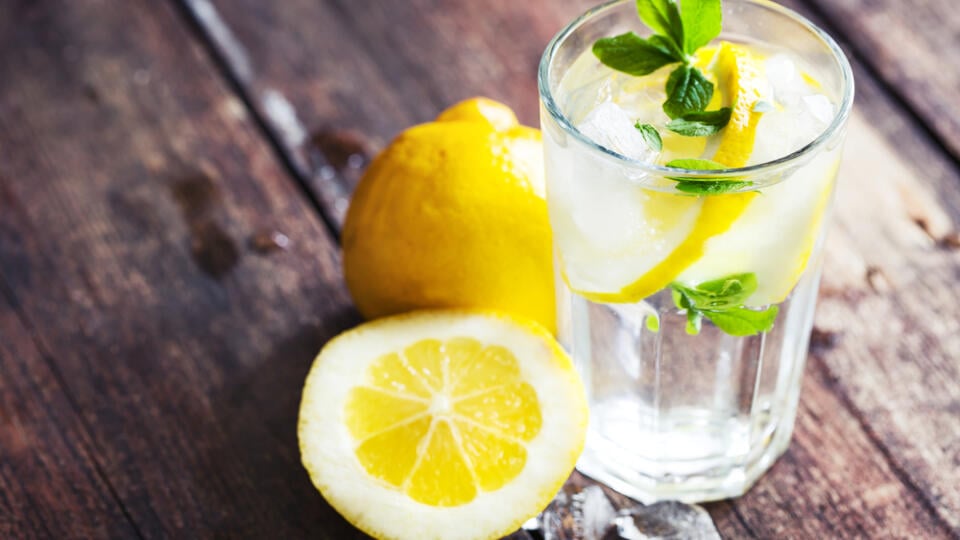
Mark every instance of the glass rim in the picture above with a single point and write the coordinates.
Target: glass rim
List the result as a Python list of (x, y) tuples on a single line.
[(839, 118)]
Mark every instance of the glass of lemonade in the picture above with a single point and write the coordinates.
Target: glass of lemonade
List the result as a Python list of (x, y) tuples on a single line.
[(686, 296)]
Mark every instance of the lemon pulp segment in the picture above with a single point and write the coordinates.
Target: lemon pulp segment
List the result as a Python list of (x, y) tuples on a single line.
[(443, 420)]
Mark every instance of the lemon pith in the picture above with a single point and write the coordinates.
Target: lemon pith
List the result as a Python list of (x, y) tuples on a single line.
[(413, 425)]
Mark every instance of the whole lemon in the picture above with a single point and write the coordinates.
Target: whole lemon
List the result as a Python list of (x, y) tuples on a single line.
[(452, 214)]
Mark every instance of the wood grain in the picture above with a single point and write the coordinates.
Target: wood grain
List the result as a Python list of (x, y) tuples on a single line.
[(310, 69), (887, 115), (50, 486), (914, 45), (866, 470), (131, 183), (136, 191), (831, 483)]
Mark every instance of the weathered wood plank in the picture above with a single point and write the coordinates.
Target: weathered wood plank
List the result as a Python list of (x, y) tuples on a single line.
[(891, 291), (131, 184), (914, 47), (831, 482), (351, 75), (895, 181), (886, 115), (49, 483)]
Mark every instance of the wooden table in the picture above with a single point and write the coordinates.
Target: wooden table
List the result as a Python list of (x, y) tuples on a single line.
[(173, 175)]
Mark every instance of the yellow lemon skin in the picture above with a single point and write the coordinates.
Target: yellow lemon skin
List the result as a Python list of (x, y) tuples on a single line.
[(452, 214), (482, 110), (441, 425)]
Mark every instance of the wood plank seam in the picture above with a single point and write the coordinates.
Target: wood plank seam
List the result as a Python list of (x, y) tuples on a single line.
[(817, 362), (235, 84), (7, 293), (740, 517), (859, 56)]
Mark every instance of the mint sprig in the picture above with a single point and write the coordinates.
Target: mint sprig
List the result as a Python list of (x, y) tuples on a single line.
[(678, 33), (721, 302), (705, 185)]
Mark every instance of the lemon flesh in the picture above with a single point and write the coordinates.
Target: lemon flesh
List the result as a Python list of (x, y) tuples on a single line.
[(457, 406), (415, 425)]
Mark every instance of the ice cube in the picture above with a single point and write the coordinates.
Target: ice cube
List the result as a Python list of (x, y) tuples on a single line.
[(668, 520), (784, 79), (612, 128), (775, 134), (787, 129), (579, 512), (781, 70), (820, 107), (584, 510)]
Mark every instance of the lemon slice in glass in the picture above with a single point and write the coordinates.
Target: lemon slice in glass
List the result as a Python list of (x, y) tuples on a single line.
[(637, 241), (775, 231)]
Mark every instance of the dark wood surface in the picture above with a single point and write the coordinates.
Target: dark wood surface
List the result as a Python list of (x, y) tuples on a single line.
[(152, 344)]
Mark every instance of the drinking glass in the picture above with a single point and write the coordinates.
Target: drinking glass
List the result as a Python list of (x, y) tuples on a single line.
[(675, 415)]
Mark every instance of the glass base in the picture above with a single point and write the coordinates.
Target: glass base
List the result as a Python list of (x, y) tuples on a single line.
[(699, 468), (685, 417)]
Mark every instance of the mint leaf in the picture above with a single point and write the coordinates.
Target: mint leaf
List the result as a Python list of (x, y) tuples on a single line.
[(650, 136), (631, 54), (733, 285), (668, 46), (743, 321), (694, 321), (721, 302), (682, 301), (687, 91), (679, 298), (730, 291), (663, 18), (653, 323), (696, 164), (702, 20), (700, 124), (717, 187), (705, 185)]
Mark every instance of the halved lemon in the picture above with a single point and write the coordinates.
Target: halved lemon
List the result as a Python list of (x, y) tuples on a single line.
[(441, 424)]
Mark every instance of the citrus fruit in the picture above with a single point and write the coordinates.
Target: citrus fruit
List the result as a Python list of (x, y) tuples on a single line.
[(452, 214), (481, 110), (676, 229), (441, 424), (741, 82), (775, 232)]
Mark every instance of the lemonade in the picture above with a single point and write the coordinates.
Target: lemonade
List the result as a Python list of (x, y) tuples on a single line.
[(688, 205)]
